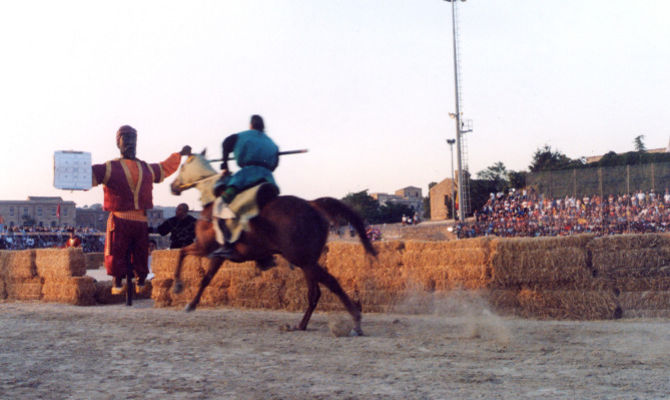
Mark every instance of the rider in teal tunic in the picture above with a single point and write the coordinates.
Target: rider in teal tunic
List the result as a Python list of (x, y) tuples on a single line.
[(255, 153)]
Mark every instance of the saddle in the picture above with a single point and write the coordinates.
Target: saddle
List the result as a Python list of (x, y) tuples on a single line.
[(245, 206)]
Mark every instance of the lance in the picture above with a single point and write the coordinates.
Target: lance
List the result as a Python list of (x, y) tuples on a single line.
[(281, 153)]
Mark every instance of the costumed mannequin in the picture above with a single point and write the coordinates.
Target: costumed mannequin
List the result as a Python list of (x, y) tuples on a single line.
[(128, 184)]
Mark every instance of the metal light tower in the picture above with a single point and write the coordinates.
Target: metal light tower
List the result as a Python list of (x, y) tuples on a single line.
[(451, 142), (462, 185)]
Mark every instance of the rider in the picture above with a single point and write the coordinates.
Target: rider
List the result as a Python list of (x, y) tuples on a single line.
[(127, 185), (257, 156)]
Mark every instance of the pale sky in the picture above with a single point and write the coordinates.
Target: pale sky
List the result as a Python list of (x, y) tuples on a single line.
[(365, 85)]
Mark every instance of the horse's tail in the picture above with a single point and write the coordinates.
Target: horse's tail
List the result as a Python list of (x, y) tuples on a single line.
[(335, 209)]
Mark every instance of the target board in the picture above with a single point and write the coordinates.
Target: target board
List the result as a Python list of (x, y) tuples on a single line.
[(72, 170)]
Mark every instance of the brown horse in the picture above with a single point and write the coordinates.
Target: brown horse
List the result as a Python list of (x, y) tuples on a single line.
[(287, 225)]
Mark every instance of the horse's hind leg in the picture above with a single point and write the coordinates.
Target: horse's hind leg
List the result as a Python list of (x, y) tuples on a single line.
[(333, 285), (313, 295), (214, 266)]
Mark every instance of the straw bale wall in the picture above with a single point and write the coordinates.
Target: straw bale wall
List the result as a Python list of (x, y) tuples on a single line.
[(578, 277), (559, 278)]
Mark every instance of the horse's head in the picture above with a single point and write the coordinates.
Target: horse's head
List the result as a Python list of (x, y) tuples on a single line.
[(193, 170)]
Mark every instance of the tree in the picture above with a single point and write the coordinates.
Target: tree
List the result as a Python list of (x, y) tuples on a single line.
[(639, 144), (366, 206), (496, 174), (517, 179), (545, 159), (392, 213), (610, 159)]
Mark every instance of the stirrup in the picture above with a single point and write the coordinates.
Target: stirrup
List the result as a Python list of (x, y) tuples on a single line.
[(227, 252)]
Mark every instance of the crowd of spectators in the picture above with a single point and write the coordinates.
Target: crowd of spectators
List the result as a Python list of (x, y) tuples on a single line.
[(525, 213), (37, 237)]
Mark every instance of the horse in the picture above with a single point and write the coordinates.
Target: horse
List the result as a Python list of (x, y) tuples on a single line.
[(295, 228)]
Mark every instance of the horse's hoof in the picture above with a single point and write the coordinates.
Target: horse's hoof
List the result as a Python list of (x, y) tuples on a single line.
[(189, 308), (287, 328), (178, 287), (356, 332)]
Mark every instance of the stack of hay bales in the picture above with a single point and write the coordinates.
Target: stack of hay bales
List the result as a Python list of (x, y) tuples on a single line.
[(235, 284), (637, 269), (63, 273), (19, 275), (437, 268), (548, 277), (372, 282)]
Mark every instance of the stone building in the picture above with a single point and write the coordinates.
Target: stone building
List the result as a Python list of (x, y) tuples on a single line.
[(38, 211), (440, 200), (409, 196)]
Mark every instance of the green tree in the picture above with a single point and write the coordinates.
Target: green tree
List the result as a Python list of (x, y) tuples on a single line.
[(366, 206), (639, 143), (392, 212), (545, 159), (517, 179), (497, 174)]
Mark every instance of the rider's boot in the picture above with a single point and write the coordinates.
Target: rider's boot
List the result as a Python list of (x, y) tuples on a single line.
[(226, 250)]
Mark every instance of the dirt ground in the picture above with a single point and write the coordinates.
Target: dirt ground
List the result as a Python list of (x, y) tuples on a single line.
[(56, 351)]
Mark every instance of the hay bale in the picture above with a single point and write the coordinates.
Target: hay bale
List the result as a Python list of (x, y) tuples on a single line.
[(161, 292), (78, 291), (646, 314), (644, 262), (94, 260), (57, 264), (19, 264), (568, 304), (503, 300), (647, 300), (3, 289), (550, 263), (640, 284), (163, 263), (24, 289), (630, 242)]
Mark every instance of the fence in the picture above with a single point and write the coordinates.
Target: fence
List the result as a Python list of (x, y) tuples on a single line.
[(602, 180)]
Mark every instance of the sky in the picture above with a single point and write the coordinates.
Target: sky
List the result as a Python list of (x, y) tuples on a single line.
[(365, 85)]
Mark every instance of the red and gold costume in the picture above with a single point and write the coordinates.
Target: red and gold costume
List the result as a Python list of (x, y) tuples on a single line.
[(128, 186)]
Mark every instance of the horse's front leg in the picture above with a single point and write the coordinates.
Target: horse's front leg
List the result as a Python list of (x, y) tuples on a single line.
[(178, 285), (214, 266)]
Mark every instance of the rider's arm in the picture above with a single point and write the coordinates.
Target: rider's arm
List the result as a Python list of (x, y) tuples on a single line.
[(228, 147)]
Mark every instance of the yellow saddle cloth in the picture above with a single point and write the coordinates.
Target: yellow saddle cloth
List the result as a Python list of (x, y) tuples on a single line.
[(245, 207)]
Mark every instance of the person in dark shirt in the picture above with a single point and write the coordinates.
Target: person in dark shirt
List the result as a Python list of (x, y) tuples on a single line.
[(181, 228)]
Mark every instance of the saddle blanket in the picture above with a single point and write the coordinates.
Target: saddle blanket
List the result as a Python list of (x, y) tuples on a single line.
[(237, 214)]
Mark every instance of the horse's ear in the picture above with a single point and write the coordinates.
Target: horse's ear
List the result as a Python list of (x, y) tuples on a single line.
[(203, 152)]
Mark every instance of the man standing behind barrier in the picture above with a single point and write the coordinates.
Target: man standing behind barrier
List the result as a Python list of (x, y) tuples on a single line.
[(181, 228), (128, 184)]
